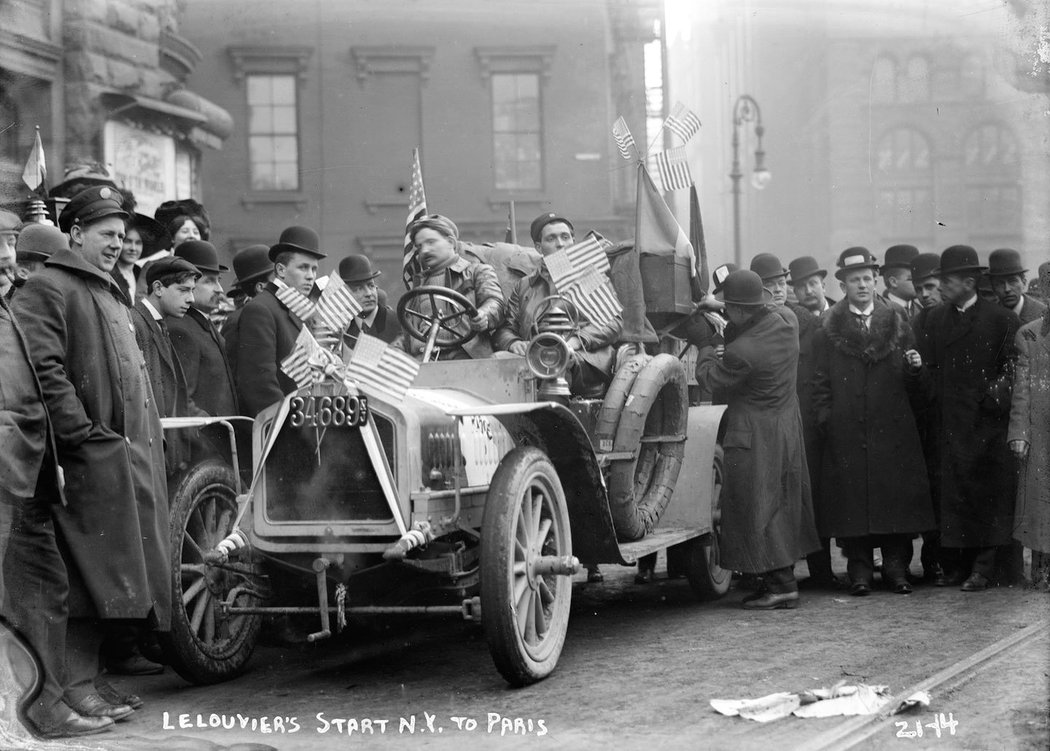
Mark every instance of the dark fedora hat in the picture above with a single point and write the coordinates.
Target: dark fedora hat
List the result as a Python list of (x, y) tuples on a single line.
[(855, 258), (925, 265), (251, 263), (719, 275), (90, 205), (899, 257), (803, 268), (1005, 262), (201, 254), (38, 242), (357, 268), (959, 258), (297, 239), (768, 266), (536, 228), (744, 287)]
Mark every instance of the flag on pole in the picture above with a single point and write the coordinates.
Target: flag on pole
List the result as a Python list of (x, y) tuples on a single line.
[(298, 303), (297, 365), (673, 168), (567, 267), (656, 230), (512, 230), (595, 298), (696, 239), (337, 307), (35, 173), (381, 370), (683, 122), (417, 208), (624, 139)]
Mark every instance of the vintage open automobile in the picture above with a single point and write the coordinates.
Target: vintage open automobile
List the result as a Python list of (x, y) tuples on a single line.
[(478, 495)]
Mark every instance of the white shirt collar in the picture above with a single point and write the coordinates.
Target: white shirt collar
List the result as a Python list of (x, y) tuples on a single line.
[(866, 312), (1019, 306), (279, 283), (967, 305), (153, 311)]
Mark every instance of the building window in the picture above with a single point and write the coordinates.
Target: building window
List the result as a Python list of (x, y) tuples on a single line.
[(517, 132), (914, 83), (884, 80), (904, 208), (273, 132), (993, 190)]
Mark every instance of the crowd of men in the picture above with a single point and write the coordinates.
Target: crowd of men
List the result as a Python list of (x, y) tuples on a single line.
[(866, 421)]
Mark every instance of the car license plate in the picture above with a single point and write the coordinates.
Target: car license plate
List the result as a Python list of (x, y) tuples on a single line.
[(328, 411)]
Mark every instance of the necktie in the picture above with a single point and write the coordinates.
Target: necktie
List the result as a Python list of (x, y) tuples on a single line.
[(863, 319)]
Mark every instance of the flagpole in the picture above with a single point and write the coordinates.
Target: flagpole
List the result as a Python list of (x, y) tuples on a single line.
[(513, 225)]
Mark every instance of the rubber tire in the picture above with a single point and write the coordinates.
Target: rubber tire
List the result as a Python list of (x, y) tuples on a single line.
[(697, 558), (615, 397), (522, 661), (193, 658)]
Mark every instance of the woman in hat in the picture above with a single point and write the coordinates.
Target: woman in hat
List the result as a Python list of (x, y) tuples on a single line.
[(184, 220), (143, 237)]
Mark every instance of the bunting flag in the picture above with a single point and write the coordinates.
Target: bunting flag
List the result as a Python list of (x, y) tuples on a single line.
[(301, 305), (624, 139), (700, 282), (656, 230), (298, 364), (683, 122), (381, 370), (35, 173), (417, 209), (337, 307), (673, 169)]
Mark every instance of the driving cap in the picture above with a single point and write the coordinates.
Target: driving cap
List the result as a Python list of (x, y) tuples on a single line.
[(803, 268), (251, 263), (924, 265), (852, 259), (959, 258), (718, 276), (201, 254), (768, 266), (357, 268), (9, 221), (436, 222), (168, 265), (297, 240), (744, 287), (38, 242), (1005, 262), (536, 228), (90, 205)]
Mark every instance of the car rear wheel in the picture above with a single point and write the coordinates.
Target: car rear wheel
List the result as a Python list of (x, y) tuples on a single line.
[(524, 607), (204, 645), (698, 558)]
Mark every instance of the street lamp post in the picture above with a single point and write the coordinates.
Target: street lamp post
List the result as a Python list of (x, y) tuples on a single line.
[(746, 110)]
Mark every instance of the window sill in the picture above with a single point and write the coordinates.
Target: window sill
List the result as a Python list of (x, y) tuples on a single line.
[(270, 198), (500, 200)]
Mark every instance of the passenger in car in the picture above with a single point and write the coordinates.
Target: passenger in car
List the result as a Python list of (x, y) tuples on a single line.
[(376, 318)]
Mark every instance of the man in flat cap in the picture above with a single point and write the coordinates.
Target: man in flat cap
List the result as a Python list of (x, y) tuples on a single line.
[(198, 344), (968, 346), (896, 275), (267, 328), (9, 224), (375, 318), (1009, 279), (109, 441), (807, 280)]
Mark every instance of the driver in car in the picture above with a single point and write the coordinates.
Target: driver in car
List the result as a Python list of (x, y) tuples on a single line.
[(438, 264)]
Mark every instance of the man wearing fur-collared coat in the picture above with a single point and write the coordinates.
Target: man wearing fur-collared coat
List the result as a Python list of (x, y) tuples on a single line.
[(876, 490)]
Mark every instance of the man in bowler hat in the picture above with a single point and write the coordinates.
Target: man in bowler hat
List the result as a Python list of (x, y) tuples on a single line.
[(968, 346), (807, 279), (36, 244), (267, 328), (375, 319), (1009, 279), (253, 270), (896, 275), (924, 280)]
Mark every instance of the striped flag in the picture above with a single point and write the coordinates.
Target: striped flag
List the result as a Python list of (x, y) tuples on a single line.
[(337, 307), (624, 139), (595, 298), (674, 169), (683, 122), (568, 266), (656, 230), (381, 370), (417, 208), (297, 365), (35, 173), (301, 305)]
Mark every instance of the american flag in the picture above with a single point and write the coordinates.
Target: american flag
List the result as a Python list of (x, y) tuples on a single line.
[(417, 208), (568, 266), (674, 169), (297, 365), (683, 122), (297, 302), (624, 139), (595, 298), (381, 370), (337, 307)]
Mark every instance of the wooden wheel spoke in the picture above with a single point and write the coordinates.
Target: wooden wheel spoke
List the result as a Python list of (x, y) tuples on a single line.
[(521, 586), (522, 612), (520, 551), (193, 590), (225, 522), (209, 519), (209, 622), (530, 618), (539, 616), (541, 538), (193, 546), (537, 510), (198, 612), (193, 568), (545, 592)]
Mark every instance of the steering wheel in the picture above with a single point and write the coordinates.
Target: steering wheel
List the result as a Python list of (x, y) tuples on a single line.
[(420, 324)]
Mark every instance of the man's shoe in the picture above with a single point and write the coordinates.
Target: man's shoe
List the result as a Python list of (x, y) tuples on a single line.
[(860, 589), (758, 593), (821, 581), (595, 576), (975, 583), (74, 725), (109, 693), (901, 587), (134, 664), (94, 705), (948, 579), (773, 601), (644, 576)]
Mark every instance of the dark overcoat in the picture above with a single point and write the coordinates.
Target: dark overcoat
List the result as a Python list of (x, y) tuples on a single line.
[(874, 477), (808, 324), (267, 331), (1031, 310), (1030, 421), (202, 352), (385, 327), (114, 529), (767, 512), (970, 357)]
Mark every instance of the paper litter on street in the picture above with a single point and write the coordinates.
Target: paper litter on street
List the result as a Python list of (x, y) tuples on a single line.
[(837, 701)]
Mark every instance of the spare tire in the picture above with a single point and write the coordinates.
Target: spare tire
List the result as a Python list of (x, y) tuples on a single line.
[(615, 397), (641, 487)]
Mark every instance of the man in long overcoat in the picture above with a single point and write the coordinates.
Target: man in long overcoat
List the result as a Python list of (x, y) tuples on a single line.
[(114, 532), (767, 512), (876, 493), (1029, 438), (968, 346)]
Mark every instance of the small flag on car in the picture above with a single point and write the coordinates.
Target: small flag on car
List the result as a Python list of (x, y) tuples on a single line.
[(683, 122), (298, 303), (337, 307), (417, 208), (624, 139), (595, 298), (674, 169), (297, 365), (381, 370)]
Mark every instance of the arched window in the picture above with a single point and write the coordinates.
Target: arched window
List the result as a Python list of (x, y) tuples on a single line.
[(884, 80), (992, 165), (914, 82), (904, 200)]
